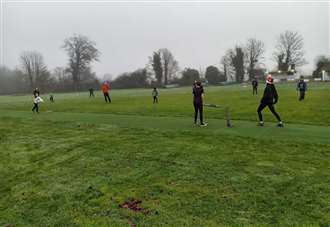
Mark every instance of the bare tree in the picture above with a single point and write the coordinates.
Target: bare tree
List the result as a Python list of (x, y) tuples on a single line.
[(59, 73), (289, 50), (34, 68), (170, 65), (253, 51), (81, 53), (227, 67), (237, 61), (156, 63)]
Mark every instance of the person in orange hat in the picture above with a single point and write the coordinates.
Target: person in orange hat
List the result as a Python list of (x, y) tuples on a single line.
[(269, 98), (105, 89)]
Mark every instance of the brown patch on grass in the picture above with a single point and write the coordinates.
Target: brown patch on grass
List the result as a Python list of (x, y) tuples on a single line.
[(134, 205)]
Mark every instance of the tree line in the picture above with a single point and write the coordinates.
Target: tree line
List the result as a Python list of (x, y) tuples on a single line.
[(242, 62)]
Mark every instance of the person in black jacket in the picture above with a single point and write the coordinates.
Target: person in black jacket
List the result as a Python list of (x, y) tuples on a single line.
[(302, 88), (198, 95), (254, 83), (269, 98)]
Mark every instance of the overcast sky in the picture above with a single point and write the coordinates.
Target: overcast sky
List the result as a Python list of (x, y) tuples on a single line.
[(198, 34)]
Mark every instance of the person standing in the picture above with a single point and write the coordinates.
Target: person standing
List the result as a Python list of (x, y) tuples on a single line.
[(155, 95), (198, 95), (105, 90), (36, 101), (269, 98), (254, 86), (91, 92), (51, 98), (302, 88)]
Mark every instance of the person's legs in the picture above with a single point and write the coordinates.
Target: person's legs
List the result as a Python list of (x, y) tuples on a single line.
[(34, 107), (108, 97), (272, 109), (200, 108), (105, 97), (302, 95), (154, 99), (260, 108), (37, 108), (196, 112)]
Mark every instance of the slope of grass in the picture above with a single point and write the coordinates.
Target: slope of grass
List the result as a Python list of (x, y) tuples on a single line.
[(80, 159), (78, 174)]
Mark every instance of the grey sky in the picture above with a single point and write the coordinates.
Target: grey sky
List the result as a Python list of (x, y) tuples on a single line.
[(198, 34)]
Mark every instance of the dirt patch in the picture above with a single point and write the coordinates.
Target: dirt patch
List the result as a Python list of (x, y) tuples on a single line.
[(134, 205)]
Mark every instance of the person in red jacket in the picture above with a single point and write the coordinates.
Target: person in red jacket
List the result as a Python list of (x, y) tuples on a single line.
[(105, 89)]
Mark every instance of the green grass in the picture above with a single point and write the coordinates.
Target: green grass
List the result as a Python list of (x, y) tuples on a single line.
[(75, 165)]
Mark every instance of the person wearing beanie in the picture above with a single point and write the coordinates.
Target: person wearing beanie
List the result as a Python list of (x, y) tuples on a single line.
[(302, 88), (269, 98), (254, 83), (155, 95), (36, 101), (198, 94)]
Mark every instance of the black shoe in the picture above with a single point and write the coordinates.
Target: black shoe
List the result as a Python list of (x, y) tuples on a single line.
[(260, 124), (280, 125)]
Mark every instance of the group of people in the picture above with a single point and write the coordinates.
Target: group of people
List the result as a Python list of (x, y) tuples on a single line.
[(106, 88), (269, 98), (301, 87)]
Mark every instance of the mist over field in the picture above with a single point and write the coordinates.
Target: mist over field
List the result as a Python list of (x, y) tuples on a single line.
[(197, 33)]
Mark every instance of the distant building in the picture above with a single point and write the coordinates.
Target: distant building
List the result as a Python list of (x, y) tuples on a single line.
[(325, 75)]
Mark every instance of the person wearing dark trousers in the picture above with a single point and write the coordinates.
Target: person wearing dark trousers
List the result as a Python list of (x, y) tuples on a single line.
[(36, 102), (254, 86), (155, 95), (198, 95), (91, 92), (270, 97), (302, 88), (35, 108), (105, 90), (51, 98)]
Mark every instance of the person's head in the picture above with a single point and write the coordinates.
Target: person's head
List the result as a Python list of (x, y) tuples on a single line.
[(155, 88), (198, 83), (269, 79), (301, 78)]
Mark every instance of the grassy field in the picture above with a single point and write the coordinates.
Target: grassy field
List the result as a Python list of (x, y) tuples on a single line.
[(81, 161)]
